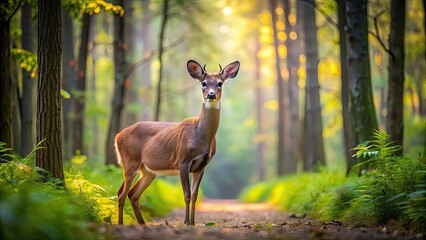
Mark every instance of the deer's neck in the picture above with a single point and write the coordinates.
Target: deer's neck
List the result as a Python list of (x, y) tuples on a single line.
[(208, 122)]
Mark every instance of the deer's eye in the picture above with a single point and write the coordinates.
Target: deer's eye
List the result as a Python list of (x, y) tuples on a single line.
[(219, 84), (203, 84)]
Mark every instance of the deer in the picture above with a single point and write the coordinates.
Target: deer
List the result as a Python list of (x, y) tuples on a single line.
[(153, 148)]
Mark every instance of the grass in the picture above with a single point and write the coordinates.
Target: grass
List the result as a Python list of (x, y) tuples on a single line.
[(393, 189), (32, 209)]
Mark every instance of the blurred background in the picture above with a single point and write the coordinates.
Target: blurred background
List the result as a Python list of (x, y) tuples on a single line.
[(259, 137)]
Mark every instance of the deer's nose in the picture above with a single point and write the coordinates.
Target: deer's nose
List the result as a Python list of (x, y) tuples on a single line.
[(211, 95)]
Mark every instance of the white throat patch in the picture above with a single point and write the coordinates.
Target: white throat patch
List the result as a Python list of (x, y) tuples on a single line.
[(212, 104)]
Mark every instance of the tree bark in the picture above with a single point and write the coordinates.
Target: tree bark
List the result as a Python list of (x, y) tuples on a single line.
[(280, 85), (68, 79), (48, 122), (362, 116), (313, 141), (130, 116), (5, 79), (119, 86), (146, 68), (293, 52), (80, 87), (28, 84), (160, 57), (395, 104), (343, 45)]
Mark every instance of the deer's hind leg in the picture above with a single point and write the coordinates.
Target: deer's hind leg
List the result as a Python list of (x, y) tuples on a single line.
[(145, 179), (122, 193)]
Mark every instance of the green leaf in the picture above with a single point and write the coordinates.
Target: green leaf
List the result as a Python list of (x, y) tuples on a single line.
[(65, 94), (210, 224)]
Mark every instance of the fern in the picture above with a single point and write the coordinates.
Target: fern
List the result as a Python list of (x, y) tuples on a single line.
[(394, 186)]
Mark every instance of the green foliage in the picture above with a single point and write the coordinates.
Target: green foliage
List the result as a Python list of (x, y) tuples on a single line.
[(31, 209), (393, 189), (78, 7), (396, 186), (26, 60)]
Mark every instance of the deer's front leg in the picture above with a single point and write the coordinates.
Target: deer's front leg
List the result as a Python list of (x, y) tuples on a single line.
[(184, 179), (196, 179)]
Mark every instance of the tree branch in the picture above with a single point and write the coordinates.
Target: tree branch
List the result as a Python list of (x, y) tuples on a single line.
[(149, 55), (327, 17), (377, 34), (14, 11)]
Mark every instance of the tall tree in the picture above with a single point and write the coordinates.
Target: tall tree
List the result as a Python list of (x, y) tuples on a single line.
[(280, 85), (260, 148), (160, 57), (343, 45), (80, 88), (293, 52), (5, 79), (146, 68), (48, 124), (313, 152), (130, 116), (395, 104), (28, 84), (362, 116), (68, 80), (119, 86)]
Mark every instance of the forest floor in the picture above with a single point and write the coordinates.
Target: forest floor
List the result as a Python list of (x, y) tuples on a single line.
[(230, 219)]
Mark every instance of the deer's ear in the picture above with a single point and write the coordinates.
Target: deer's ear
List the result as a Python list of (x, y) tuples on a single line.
[(195, 70), (230, 71)]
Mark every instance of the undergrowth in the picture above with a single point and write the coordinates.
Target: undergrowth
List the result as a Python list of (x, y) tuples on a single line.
[(32, 209), (394, 188)]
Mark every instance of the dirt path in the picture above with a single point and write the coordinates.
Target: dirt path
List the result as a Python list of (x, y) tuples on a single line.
[(228, 219)]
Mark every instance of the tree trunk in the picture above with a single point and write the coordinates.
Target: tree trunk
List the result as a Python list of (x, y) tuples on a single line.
[(395, 116), (160, 57), (119, 86), (313, 141), (146, 68), (80, 88), (293, 52), (343, 45), (362, 116), (94, 124), (260, 146), (130, 115), (68, 79), (28, 84), (48, 123), (5, 80), (280, 85)]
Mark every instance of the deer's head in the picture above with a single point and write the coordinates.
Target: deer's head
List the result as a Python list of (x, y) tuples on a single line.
[(211, 84)]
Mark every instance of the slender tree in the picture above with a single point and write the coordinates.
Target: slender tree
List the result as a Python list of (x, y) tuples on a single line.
[(312, 126), (80, 87), (119, 86), (343, 45), (48, 124), (28, 84), (280, 85), (68, 80), (5, 79), (395, 104), (260, 148), (362, 116), (160, 57), (146, 68), (293, 52), (130, 116)]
